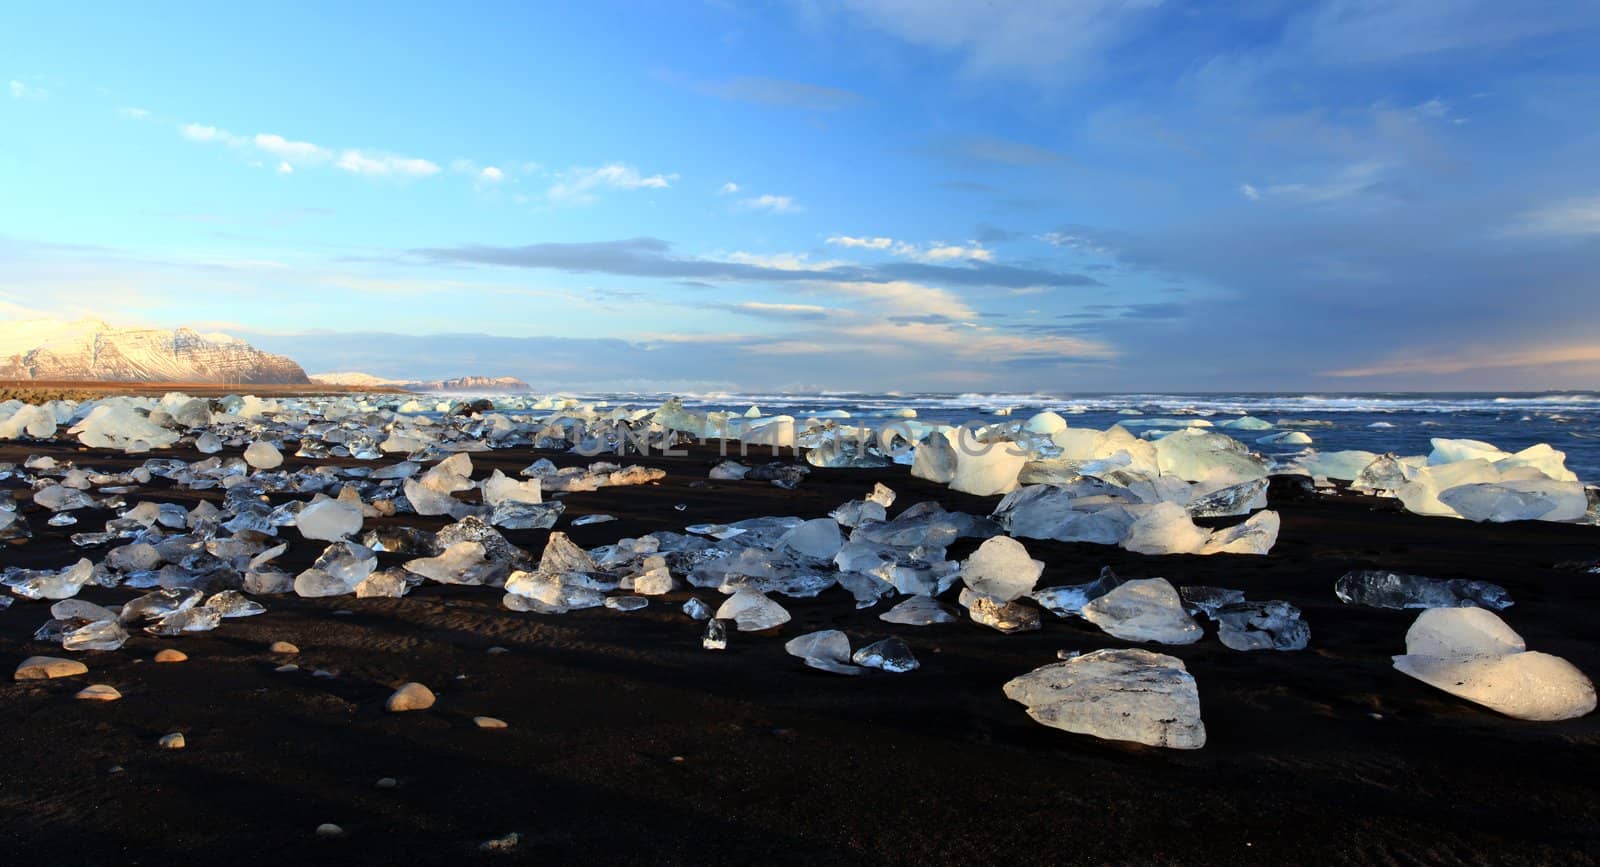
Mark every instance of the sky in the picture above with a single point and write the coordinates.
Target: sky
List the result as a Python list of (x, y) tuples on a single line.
[(869, 195)]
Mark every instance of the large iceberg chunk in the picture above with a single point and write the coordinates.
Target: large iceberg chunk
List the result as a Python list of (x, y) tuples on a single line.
[(1471, 653), (1144, 610)]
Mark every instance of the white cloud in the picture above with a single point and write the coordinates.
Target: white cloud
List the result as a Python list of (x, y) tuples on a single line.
[(862, 243), (491, 174), (23, 91), (1075, 241), (302, 152), (954, 252), (384, 165), (728, 189), (1349, 181), (285, 169), (206, 134), (770, 203), (132, 113), (1573, 217), (579, 185)]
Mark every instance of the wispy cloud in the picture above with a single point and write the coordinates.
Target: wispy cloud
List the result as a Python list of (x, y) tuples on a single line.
[(1572, 218), (288, 154), (728, 189), (22, 91), (1481, 358), (133, 113), (581, 186), (770, 203), (1349, 181), (861, 243)]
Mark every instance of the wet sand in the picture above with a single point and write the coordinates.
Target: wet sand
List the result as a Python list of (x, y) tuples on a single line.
[(628, 743)]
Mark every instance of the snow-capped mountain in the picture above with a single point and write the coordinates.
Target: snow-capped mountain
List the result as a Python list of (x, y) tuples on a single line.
[(91, 350)]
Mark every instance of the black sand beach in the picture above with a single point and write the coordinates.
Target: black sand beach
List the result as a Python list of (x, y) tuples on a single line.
[(629, 743)]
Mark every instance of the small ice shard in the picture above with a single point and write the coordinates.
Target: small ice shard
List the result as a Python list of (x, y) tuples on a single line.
[(716, 634), (99, 635), (890, 654), (187, 620), (882, 494), (728, 471), (158, 604), (232, 603), (585, 520), (60, 498), (826, 650), (79, 609), (1472, 654), (347, 561), (626, 603), (263, 456), (329, 520), (1240, 499), (696, 609), (1068, 601), (1001, 569), (918, 611), (1121, 695), (1256, 536), (426, 500), (1146, 609), (654, 581), (55, 585), (522, 515), (752, 611), (500, 488), (1007, 617), (1383, 589), (1199, 599), (387, 583), (819, 539), (315, 583), (858, 512), (561, 554), (1274, 625), (459, 564), (1165, 528)]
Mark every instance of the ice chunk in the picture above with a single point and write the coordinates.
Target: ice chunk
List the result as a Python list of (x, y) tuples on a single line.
[(105, 634), (390, 583), (696, 609), (561, 554), (114, 425), (1001, 569), (827, 650), (1519, 500), (1120, 695), (500, 488), (461, 563), (752, 611), (329, 520), (1274, 625), (716, 634), (1256, 535), (1383, 589), (522, 515), (935, 459), (1193, 455), (1199, 599), (1286, 438), (428, 501), (1164, 528), (1240, 499), (263, 456), (987, 469), (728, 471), (1473, 654), (1007, 617), (158, 604), (1068, 601), (55, 585), (187, 620), (626, 603), (918, 611), (1035, 511), (890, 654), (1144, 610), (819, 539), (232, 603)]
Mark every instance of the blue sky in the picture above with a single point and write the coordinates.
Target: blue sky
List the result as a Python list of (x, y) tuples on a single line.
[(862, 194)]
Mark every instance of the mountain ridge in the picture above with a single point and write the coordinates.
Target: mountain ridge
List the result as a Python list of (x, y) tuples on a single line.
[(91, 350)]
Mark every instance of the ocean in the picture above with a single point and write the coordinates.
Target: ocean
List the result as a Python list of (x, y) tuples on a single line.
[(1402, 423)]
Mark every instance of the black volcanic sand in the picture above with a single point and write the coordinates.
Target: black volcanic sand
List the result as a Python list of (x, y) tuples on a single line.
[(628, 743)]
